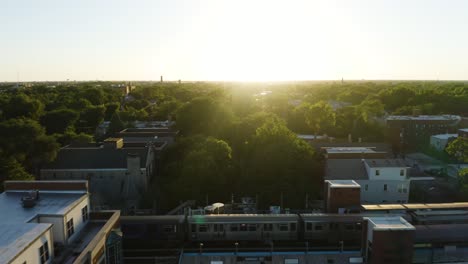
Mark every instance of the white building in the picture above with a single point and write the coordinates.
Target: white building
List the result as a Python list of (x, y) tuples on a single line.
[(440, 141), (53, 215), (381, 180), (32, 222)]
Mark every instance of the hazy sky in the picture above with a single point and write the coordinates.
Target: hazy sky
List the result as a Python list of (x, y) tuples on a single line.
[(233, 40)]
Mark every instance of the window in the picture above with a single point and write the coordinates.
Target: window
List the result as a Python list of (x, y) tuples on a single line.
[(402, 172), (349, 227), (44, 253), (405, 190), (169, 228), (366, 187), (252, 227), (377, 172), (318, 227), (283, 227), (243, 227), (84, 213), (202, 228), (309, 226), (385, 187), (194, 228), (70, 228)]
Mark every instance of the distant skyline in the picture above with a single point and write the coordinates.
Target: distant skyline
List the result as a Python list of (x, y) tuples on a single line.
[(242, 40)]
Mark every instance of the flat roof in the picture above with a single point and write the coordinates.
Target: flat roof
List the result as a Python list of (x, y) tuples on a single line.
[(16, 230), (349, 150), (343, 184), (397, 163), (389, 223), (445, 136), (424, 117), (415, 206), (345, 169), (463, 130)]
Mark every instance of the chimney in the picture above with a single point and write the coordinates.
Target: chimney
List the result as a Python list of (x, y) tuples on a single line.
[(113, 143)]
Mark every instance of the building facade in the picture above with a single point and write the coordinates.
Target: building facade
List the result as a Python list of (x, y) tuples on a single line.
[(118, 175), (51, 222)]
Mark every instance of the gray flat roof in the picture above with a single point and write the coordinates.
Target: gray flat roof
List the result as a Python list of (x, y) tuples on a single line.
[(385, 163), (14, 238), (345, 169), (349, 150), (16, 233), (343, 184), (389, 223)]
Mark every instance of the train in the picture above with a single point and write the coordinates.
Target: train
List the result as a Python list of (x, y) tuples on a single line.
[(177, 230)]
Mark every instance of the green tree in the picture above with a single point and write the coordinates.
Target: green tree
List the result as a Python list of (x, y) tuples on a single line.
[(458, 149), (11, 169), (94, 95), (319, 117), (91, 117), (203, 115), (57, 121), (22, 105)]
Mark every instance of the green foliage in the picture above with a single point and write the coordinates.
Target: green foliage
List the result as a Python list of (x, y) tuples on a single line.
[(11, 169), (203, 115), (94, 95), (91, 117), (111, 108), (57, 121), (22, 105), (458, 149)]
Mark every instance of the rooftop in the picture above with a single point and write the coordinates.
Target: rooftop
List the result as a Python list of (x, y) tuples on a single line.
[(463, 130), (386, 163), (17, 231), (425, 117), (389, 223), (415, 206), (345, 169), (445, 136), (96, 158), (349, 150), (343, 184)]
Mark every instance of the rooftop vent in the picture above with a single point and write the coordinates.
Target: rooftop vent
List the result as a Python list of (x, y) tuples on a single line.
[(30, 199)]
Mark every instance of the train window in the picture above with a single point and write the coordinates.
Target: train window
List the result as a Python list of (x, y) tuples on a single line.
[(215, 227), (267, 227), (349, 227), (309, 226), (169, 229), (252, 227), (194, 228), (234, 228), (243, 227), (318, 227), (334, 226), (202, 228), (358, 226), (283, 227), (221, 227), (293, 226)]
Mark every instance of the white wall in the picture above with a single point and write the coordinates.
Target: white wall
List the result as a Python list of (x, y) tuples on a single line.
[(31, 254), (58, 228), (375, 191), (78, 223), (386, 173)]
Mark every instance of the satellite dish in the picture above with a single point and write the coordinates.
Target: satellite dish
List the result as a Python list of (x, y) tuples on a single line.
[(209, 208), (218, 205)]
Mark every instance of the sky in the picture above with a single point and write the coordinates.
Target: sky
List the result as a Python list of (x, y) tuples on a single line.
[(233, 40)]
